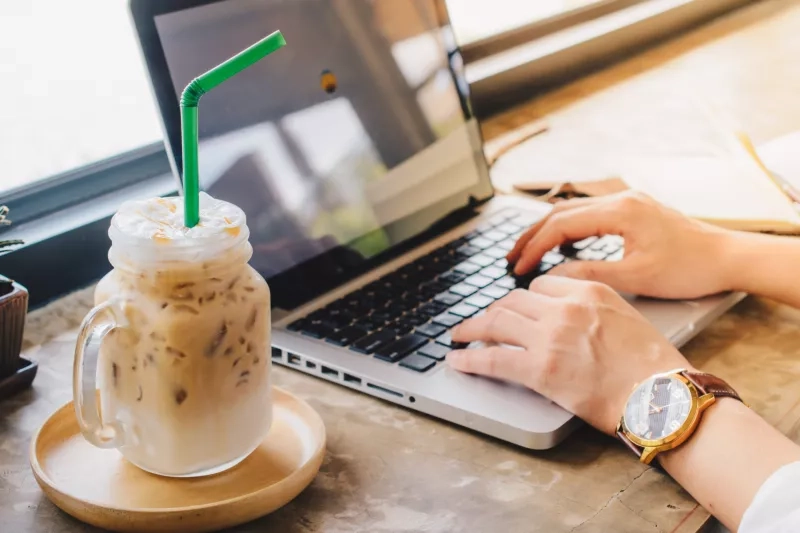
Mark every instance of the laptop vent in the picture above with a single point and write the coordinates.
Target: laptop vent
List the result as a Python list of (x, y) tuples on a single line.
[(331, 374)]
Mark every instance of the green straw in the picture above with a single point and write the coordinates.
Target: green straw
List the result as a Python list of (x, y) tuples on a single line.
[(189, 101)]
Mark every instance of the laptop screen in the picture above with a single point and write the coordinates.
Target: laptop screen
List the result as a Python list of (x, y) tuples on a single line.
[(354, 137)]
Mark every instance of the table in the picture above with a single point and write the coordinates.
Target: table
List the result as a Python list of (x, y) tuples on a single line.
[(388, 469)]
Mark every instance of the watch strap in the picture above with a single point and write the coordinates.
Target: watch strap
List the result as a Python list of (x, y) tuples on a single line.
[(635, 448), (705, 384), (710, 384)]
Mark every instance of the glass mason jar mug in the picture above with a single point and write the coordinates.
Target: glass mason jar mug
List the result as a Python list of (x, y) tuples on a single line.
[(178, 342)]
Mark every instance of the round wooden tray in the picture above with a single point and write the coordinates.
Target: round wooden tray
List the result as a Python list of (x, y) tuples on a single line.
[(103, 489)]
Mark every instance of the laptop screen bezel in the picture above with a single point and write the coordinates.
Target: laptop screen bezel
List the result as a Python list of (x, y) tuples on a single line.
[(327, 276)]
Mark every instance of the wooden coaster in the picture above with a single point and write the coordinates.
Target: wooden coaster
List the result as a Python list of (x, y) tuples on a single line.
[(103, 489)]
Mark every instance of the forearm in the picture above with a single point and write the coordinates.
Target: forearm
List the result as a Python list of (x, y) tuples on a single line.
[(765, 265), (725, 462)]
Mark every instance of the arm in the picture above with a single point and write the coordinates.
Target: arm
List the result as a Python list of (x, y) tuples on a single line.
[(728, 459), (763, 264), (667, 255), (584, 347)]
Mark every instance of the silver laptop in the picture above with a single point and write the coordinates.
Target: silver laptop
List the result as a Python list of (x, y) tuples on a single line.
[(356, 156)]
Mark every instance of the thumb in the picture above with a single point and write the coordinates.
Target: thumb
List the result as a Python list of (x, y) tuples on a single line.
[(608, 272)]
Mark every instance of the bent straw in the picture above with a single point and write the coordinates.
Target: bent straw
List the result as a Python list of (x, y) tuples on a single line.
[(189, 102)]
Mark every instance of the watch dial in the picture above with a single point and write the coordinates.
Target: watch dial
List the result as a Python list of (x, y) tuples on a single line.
[(657, 408)]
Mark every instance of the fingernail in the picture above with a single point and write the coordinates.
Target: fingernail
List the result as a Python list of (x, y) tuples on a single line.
[(453, 358)]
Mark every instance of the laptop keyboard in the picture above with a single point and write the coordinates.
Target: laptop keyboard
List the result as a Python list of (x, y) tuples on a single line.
[(405, 316)]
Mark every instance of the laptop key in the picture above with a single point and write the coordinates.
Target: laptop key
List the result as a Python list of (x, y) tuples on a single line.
[(414, 318), (495, 291), (501, 217), (347, 335), (493, 272), (317, 331), (447, 320), (481, 242), (431, 309), (464, 310), (480, 301), (453, 277), (580, 245), (447, 298), (462, 289), (446, 340), (599, 244), (468, 250), (478, 281), (501, 263), (375, 341), (402, 327), (403, 346), (497, 253), (467, 268), (552, 257), (484, 226), (418, 363), (507, 244), (430, 330), (590, 255), (434, 351), (509, 228), (495, 236), (482, 260), (507, 282)]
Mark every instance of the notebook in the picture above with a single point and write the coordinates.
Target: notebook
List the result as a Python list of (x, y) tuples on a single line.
[(735, 191), (730, 187)]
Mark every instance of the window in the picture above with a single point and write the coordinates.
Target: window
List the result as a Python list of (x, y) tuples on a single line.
[(74, 90)]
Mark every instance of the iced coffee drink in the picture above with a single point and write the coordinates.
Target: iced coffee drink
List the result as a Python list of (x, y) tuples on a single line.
[(184, 376)]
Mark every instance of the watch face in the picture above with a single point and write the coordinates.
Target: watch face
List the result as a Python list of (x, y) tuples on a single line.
[(658, 408)]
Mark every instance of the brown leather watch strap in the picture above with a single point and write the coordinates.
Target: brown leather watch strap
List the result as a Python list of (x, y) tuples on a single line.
[(707, 383), (635, 448)]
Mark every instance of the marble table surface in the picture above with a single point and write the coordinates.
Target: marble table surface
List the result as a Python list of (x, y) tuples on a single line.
[(391, 470)]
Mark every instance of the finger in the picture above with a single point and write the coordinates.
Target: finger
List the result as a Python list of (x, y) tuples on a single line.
[(614, 274), (556, 286), (526, 303), (560, 207), (500, 326), (572, 225), (495, 362)]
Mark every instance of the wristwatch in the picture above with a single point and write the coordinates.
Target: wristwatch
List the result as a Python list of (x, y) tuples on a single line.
[(663, 411)]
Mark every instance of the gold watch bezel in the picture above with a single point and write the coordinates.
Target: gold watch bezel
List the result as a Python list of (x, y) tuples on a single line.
[(652, 447)]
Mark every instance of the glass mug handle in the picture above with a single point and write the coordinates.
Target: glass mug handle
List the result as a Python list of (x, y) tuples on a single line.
[(100, 321)]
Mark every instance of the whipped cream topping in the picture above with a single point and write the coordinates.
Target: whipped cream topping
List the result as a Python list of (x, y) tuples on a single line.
[(161, 220)]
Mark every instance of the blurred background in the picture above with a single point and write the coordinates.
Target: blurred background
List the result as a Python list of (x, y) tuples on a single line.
[(64, 95)]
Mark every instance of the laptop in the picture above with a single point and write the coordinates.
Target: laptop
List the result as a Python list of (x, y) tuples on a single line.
[(358, 161)]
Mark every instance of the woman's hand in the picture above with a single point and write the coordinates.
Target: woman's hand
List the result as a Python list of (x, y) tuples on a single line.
[(583, 346), (667, 255)]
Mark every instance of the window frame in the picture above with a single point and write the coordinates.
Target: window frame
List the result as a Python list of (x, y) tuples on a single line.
[(43, 197), (500, 42), (501, 80)]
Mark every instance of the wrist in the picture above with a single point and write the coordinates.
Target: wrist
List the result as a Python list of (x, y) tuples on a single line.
[(738, 255)]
